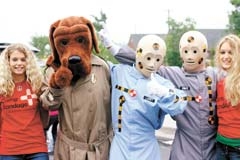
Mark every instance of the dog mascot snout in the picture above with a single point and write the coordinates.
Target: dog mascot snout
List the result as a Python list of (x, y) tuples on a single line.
[(74, 60)]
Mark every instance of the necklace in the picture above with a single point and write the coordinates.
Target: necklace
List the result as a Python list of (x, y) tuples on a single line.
[(19, 85)]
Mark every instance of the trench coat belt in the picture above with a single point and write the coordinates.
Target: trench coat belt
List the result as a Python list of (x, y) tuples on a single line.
[(82, 145)]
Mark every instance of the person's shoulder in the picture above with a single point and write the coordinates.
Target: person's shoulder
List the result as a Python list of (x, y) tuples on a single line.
[(212, 71), (210, 68), (1, 98), (170, 70), (99, 61), (161, 78), (170, 67), (48, 71), (164, 81)]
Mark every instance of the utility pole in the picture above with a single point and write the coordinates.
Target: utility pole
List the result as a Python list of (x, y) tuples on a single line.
[(168, 18)]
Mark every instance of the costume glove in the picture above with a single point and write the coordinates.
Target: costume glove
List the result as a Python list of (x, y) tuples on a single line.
[(51, 96), (154, 88), (106, 40)]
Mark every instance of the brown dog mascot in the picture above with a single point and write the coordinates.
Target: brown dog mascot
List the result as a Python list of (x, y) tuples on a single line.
[(78, 85)]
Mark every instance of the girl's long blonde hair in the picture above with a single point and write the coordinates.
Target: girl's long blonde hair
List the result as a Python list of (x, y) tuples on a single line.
[(232, 80), (33, 73)]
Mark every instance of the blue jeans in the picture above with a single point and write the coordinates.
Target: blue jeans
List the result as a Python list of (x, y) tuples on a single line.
[(34, 156), (225, 152)]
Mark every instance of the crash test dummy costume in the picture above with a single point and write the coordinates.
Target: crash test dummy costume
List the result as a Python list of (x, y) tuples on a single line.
[(140, 103), (196, 127)]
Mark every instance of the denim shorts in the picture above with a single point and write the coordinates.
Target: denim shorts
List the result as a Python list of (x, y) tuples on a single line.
[(225, 152), (34, 156)]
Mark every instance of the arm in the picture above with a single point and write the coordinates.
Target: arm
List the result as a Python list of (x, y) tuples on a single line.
[(170, 99), (126, 55), (50, 97), (123, 54)]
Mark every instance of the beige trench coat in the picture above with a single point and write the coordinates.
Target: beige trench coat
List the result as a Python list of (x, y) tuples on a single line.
[(84, 116)]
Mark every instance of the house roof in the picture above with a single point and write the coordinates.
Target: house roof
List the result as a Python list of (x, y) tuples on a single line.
[(212, 35)]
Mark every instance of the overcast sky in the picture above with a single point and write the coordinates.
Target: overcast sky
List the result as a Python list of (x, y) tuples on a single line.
[(22, 19)]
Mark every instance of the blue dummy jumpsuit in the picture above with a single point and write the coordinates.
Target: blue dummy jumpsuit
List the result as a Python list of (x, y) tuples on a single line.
[(136, 114)]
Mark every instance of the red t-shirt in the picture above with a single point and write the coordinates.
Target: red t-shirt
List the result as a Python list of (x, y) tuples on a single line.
[(21, 130), (228, 116)]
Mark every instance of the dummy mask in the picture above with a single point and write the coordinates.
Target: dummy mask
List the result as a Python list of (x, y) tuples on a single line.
[(150, 53), (193, 51)]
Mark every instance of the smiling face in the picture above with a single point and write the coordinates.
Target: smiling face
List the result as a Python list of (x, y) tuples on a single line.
[(227, 52), (17, 63), (193, 51), (150, 54), (225, 56)]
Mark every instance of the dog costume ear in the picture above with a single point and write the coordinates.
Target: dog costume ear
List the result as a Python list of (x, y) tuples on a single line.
[(93, 33), (53, 59)]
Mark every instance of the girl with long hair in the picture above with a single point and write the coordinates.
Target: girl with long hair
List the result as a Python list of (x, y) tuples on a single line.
[(228, 97), (21, 129)]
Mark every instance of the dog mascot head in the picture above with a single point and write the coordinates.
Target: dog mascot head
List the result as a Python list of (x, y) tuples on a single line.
[(72, 40)]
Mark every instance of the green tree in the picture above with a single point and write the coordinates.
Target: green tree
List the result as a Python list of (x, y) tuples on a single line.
[(176, 30), (42, 43), (234, 18), (97, 21)]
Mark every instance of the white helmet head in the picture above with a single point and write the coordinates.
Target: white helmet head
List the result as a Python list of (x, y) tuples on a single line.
[(150, 53), (193, 49)]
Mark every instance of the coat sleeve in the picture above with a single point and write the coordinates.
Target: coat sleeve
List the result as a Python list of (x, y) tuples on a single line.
[(173, 102), (50, 97), (126, 55)]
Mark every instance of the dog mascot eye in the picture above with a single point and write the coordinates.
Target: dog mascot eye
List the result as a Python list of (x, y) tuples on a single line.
[(81, 39), (64, 42)]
